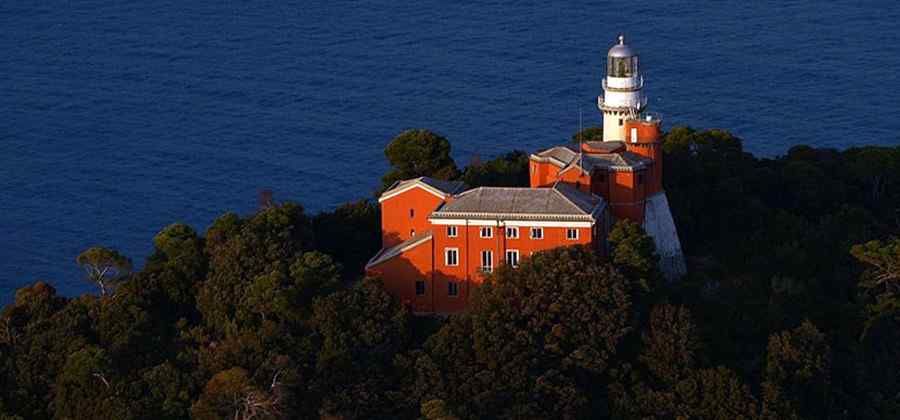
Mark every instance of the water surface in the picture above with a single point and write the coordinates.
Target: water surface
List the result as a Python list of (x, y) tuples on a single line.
[(120, 117)]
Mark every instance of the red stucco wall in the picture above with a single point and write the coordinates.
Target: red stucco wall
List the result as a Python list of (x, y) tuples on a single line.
[(396, 223), (400, 274)]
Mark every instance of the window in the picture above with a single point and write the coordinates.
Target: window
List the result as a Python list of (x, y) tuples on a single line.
[(487, 232), (487, 261), (572, 234), (620, 122), (622, 66), (451, 257), (420, 288), (451, 231), (412, 232), (452, 288), (512, 257), (537, 233), (512, 232), (412, 213)]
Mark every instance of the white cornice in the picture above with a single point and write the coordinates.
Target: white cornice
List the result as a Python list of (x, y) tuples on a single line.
[(524, 223), (417, 184)]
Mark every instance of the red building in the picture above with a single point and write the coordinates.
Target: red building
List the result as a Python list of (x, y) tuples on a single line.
[(472, 233), (438, 241), (624, 173)]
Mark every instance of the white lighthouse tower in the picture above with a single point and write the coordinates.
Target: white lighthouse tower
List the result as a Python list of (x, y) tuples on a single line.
[(623, 94)]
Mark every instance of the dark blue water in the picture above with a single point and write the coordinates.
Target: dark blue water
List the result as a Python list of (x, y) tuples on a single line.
[(117, 119)]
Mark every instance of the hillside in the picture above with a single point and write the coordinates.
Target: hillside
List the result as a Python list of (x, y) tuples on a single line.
[(791, 309)]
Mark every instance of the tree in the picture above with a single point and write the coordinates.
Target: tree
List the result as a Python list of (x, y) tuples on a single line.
[(671, 344), (5, 416), (704, 178), (359, 331), (797, 374), (437, 410), (34, 302), (588, 134), (105, 267), (715, 394), (40, 331), (242, 252), (266, 297), (535, 343), (875, 169), (178, 264), (670, 381), (313, 274), (882, 279), (178, 246), (287, 296), (351, 234), (139, 318), (415, 153), (88, 388), (509, 170), (634, 253), (257, 319), (231, 394), (879, 378), (164, 391)]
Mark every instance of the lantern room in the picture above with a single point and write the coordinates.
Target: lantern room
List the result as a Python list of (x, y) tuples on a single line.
[(622, 61)]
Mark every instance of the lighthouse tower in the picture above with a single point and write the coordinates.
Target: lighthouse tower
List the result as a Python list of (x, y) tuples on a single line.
[(623, 95)]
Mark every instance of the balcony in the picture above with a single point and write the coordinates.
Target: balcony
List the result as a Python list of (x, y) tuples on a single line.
[(639, 86)]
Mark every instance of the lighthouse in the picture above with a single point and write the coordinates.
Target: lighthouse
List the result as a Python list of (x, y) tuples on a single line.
[(439, 240), (623, 95)]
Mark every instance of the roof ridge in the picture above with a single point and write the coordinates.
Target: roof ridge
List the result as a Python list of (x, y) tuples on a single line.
[(586, 202), (577, 207), (466, 192), (506, 188)]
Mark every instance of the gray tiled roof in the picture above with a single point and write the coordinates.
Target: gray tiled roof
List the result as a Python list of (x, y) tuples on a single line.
[(563, 154), (561, 201), (388, 253), (447, 187), (613, 160), (608, 146), (584, 201), (566, 156)]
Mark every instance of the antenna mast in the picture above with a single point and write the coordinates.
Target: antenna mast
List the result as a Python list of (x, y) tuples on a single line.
[(580, 140)]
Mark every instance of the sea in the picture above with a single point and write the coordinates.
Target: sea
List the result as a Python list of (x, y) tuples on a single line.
[(119, 117)]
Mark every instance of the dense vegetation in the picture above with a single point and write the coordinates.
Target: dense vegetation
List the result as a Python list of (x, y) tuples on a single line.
[(791, 310)]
